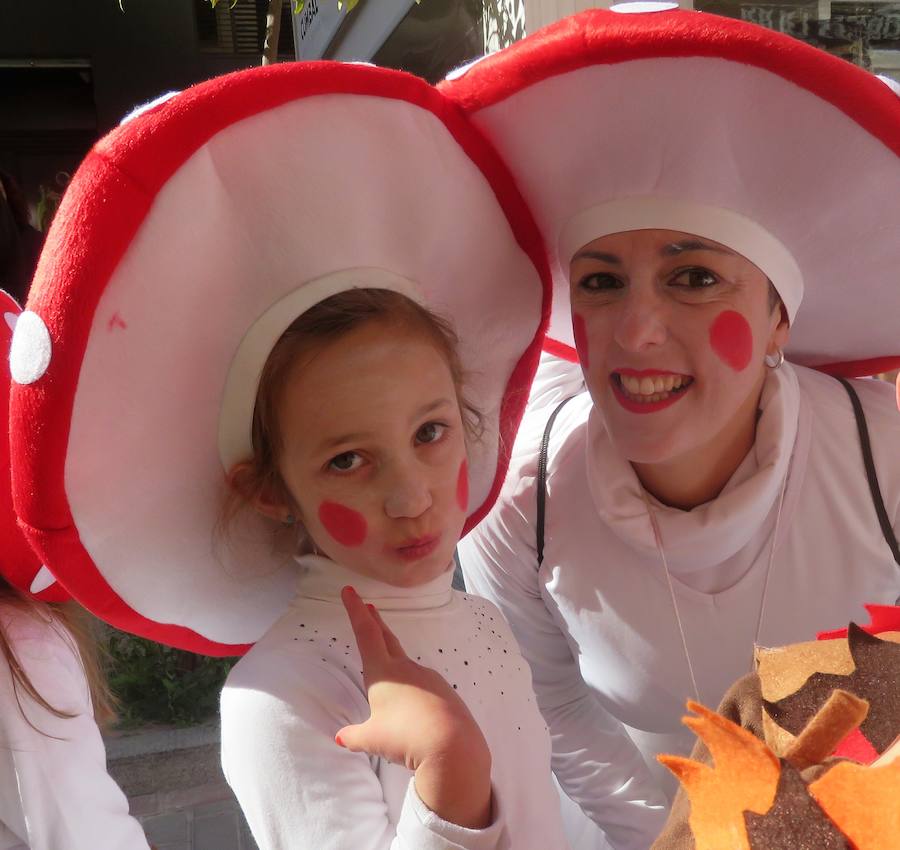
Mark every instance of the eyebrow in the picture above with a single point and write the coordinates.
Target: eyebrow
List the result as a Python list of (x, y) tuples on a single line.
[(612, 259), (682, 246), (673, 249), (360, 436)]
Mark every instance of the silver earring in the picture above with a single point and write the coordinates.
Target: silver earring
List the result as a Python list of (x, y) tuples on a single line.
[(290, 519), (773, 361)]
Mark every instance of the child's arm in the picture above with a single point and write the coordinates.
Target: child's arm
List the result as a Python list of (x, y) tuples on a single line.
[(299, 790), (418, 720), (65, 795)]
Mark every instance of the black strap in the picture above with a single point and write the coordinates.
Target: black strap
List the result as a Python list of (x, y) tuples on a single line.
[(866, 446), (542, 478)]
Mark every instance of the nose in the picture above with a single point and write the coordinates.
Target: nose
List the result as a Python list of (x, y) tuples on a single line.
[(408, 494), (641, 324)]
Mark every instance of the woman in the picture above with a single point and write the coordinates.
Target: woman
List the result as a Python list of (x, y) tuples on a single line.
[(701, 495)]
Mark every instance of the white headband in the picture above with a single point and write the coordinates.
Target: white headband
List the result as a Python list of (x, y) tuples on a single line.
[(245, 371), (730, 228)]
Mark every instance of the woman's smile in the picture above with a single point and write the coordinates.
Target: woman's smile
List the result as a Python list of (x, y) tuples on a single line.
[(648, 390)]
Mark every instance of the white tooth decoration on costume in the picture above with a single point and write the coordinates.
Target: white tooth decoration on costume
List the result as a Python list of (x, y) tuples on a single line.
[(178, 256), (698, 123)]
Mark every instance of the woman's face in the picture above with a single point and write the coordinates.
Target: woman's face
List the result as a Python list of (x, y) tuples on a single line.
[(374, 453), (672, 330)]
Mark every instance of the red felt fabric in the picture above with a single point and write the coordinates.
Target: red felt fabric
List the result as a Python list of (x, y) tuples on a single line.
[(18, 561), (885, 618), (621, 38), (113, 191)]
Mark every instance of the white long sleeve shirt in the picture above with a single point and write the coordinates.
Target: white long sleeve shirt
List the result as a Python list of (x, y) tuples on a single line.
[(596, 620), (286, 699), (55, 793)]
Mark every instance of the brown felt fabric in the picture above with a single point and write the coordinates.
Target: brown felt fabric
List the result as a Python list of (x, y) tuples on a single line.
[(875, 677), (795, 821), (842, 713), (742, 705)]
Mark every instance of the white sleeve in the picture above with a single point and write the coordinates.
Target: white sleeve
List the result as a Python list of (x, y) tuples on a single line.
[(299, 790), (66, 796), (595, 760)]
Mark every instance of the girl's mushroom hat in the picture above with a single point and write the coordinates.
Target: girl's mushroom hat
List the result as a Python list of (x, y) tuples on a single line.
[(19, 564), (189, 239), (688, 121)]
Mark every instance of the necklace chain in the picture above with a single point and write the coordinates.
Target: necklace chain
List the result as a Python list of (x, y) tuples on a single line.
[(657, 534)]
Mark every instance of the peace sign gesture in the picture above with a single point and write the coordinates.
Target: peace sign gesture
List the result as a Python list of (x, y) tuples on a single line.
[(418, 720)]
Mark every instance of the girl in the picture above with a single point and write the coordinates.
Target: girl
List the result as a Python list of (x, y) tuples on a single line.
[(698, 494), (359, 439), (208, 316), (54, 788)]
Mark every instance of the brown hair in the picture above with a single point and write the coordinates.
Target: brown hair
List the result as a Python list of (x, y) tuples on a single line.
[(321, 324), (74, 620)]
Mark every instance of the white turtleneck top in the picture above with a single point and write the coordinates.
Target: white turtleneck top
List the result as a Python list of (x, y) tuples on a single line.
[(286, 699), (596, 621)]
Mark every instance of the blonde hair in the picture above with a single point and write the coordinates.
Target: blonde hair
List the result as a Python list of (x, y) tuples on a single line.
[(322, 324), (74, 620)]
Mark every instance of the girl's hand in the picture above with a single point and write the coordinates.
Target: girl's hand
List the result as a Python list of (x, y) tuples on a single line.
[(418, 720)]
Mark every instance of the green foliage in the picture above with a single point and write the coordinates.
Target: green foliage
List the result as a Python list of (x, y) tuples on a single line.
[(158, 684)]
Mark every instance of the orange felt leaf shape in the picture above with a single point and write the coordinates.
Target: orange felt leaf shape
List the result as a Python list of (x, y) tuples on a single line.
[(864, 802), (744, 778)]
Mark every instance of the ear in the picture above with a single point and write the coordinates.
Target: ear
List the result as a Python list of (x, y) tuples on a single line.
[(270, 499), (780, 330)]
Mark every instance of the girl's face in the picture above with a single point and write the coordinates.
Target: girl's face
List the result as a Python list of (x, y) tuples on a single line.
[(374, 453), (672, 330)]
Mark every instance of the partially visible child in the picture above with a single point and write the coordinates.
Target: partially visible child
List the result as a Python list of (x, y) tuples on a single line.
[(55, 792)]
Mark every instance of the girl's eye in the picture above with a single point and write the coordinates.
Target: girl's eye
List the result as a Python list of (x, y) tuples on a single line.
[(599, 281), (346, 462), (695, 278), (430, 432)]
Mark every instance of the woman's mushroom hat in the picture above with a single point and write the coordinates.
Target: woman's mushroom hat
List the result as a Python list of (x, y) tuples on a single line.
[(189, 239), (19, 564), (687, 121)]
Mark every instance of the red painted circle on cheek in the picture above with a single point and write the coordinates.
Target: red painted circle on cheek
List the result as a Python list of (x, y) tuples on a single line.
[(581, 340), (347, 526), (731, 338), (462, 486)]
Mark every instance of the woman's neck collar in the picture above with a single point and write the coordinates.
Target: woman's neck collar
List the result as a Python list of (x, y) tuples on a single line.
[(699, 476)]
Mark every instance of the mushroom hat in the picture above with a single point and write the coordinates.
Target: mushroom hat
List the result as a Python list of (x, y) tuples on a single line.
[(19, 564), (189, 239), (646, 116)]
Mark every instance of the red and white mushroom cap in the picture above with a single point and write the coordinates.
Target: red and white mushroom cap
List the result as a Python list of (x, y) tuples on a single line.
[(19, 564), (190, 237), (688, 121)]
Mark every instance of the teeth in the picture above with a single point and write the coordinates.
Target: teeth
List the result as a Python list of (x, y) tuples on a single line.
[(650, 389)]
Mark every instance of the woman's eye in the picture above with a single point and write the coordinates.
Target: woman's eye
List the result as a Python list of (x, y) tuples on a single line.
[(430, 432), (695, 278), (599, 281), (345, 462)]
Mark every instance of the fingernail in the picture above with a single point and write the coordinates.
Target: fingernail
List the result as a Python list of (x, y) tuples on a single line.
[(371, 607), (351, 588), (338, 741)]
